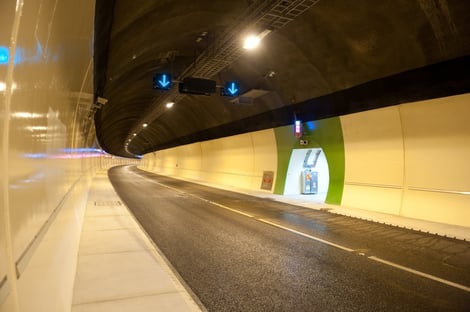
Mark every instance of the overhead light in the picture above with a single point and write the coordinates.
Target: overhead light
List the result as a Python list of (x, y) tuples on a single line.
[(170, 104), (252, 41), (145, 125), (134, 134)]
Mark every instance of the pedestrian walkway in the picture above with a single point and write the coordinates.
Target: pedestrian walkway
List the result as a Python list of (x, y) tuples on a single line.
[(119, 269)]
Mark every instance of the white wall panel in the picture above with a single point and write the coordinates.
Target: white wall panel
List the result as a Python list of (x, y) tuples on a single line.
[(373, 144), (411, 160), (237, 161), (265, 155), (437, 141), (229, 155), (437, 207), (46, 91), (379, 199)]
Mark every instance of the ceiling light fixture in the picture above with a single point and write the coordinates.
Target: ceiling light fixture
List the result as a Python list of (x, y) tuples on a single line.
[(252, 41), (145, 125), (170, 104)]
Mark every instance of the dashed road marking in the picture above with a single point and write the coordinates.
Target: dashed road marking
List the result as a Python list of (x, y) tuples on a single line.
[(305, 235), (422, 274), (389, 263)]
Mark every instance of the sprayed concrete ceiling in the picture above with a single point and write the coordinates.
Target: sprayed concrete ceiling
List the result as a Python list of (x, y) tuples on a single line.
[(320, 59)]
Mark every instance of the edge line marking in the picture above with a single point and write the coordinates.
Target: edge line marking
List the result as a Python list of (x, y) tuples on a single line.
[(419, 273), (392, 264)]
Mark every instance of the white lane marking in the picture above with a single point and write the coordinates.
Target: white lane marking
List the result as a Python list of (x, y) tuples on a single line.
[(306, 235), (392, 264), (205, 200), (428, 276), (228, 208)]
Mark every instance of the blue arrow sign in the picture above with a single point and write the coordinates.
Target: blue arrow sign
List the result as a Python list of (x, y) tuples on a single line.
[(231, 88), (162, 81)]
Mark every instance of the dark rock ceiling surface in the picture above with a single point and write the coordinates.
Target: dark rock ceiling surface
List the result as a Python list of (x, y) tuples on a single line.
[(337, 57)]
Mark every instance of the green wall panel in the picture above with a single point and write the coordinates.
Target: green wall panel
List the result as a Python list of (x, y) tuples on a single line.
[(325, 133)]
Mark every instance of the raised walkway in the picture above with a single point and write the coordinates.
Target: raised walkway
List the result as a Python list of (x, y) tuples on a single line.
[(119, 269)]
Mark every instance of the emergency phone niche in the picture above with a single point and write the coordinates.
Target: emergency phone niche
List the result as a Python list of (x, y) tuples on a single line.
[(309, 175)]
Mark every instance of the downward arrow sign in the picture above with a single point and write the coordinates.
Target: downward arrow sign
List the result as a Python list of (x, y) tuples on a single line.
[(233, 89), (164, 82)]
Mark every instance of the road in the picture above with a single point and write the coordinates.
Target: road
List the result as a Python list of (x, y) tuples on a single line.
[(242, 253)]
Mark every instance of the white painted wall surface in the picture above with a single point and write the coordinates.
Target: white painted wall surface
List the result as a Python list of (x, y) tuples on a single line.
[(236, 161), (411, 160), (46, 89)]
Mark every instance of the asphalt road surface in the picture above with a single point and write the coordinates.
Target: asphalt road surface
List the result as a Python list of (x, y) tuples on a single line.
[(242, 253)]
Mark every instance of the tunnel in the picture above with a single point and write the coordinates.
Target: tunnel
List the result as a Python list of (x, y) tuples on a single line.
[(151, 162)]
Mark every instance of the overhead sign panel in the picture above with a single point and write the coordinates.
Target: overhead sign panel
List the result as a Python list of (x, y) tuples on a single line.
[(162, 81), (231, 88), (191, 85)]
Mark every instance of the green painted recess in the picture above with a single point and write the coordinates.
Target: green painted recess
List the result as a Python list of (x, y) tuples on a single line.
[(325, 133)]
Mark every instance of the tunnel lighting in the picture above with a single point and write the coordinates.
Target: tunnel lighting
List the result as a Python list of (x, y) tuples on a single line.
[(134, 134), (251, 42), (170, 104), (145, 125)]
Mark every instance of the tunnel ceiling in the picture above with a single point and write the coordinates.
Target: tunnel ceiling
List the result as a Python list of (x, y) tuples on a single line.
[(319, 59)]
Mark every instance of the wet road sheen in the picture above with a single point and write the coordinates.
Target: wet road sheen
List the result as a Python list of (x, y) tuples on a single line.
[(234, 262)]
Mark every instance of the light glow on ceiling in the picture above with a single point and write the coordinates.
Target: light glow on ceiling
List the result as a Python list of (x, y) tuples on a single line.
[(170, 104), (251, 42)]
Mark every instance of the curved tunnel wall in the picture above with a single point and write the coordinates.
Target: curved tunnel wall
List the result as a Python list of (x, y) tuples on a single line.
[(237, 161), (409, 160), (46, 90)]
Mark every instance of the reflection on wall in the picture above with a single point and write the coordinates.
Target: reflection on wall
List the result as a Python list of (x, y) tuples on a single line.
[(46, 90), (23, 55)]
